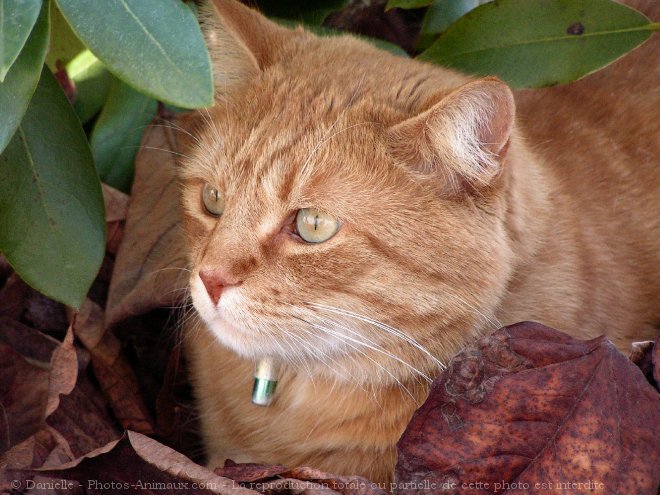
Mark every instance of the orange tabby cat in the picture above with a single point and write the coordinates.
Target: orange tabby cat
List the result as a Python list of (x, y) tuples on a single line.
[(359, 217)]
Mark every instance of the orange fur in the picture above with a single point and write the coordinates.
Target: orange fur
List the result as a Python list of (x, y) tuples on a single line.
[(456, 218)]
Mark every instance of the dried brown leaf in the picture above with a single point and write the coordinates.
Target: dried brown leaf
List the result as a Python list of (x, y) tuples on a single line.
[(276, 479), (27, 341), (13, 297), (21, 302), (248, 472), (116, 377), (642, 356), (23, 397), (45, 314), (655, 360), (48, 402), (150, 261), (346, 485), (116, 204), (45, 448), (83, 418), (137, 463), (116, 207), (76, 427), (34, 371), (292, 486), (530, 405), (63, 372)]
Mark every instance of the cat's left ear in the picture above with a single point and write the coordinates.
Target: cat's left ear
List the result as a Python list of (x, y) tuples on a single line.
[(463, 139), (241, 42)]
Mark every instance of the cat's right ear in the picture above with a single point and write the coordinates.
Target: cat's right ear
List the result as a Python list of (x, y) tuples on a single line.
[(241, 43)]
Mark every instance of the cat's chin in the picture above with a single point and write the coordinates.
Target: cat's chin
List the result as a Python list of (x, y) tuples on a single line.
[(233, 337), (249, 343)]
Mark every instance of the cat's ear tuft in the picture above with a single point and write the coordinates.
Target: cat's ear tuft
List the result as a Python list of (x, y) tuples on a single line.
[(241, 42), (463, 138)]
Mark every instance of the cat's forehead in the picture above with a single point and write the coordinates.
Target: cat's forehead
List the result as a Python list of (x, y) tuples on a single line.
[(308, 130)]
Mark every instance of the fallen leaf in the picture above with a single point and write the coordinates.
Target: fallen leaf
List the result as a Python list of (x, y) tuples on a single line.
[(23, 397), (149, 268), (13, 297), (83, 418), (46, 448), (655, 359), (346, 485), (529, 405), (51, 413), (117, 379), (21, 302), (38, 375), (31, 343), (116, 207), (300, 480), (642, 356), (63, 372), (34, 371), (248, 472), (290, 486), (139, 464), (45, 314), (116, 204), (80, 424)]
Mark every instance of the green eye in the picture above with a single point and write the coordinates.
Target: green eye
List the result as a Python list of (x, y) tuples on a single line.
[(212, 200), (315, 226)]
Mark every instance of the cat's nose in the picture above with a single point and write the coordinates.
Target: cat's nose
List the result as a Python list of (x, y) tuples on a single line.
[(215, 282)]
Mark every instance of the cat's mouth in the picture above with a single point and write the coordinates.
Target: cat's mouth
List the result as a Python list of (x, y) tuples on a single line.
[(218, 316), (235, 322)]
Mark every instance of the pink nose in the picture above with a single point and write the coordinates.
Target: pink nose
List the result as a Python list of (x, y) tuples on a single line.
[(215, 282)]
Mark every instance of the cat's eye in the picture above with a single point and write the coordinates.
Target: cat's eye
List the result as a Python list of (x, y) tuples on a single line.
[(315, 226), (212, 200)]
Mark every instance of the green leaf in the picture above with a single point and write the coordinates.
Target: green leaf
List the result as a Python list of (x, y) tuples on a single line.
[(324, 31), (118, 132), (407, 4), (64, 44), (155, 46), (440, 15), (17, 18), (52, 228), (308, 11), (536, 44), (22, 78), (92, 82)]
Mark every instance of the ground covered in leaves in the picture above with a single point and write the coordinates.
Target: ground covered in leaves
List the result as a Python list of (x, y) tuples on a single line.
[(96, 401)]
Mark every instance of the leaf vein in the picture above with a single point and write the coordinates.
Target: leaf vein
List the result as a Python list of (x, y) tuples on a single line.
[(150, 36), (540, 41)]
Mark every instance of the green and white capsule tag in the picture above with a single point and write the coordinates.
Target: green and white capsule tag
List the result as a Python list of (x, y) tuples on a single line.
[(265, 382)]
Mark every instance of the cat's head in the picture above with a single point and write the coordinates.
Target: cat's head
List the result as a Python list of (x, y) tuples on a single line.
[(343, 205)]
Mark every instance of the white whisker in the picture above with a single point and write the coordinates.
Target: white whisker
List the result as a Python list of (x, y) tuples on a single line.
[(176, 153), (375, 348), (492, 321), (344, 339), (391, 330)]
